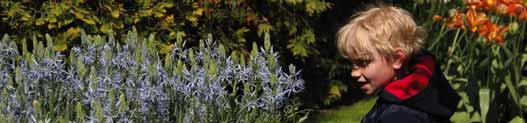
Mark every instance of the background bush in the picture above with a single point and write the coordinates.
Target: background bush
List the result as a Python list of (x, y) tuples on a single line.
[(235, 23), (106, 81)]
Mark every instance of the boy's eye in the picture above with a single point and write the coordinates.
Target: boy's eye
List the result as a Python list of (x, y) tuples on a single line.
[(360, 63)]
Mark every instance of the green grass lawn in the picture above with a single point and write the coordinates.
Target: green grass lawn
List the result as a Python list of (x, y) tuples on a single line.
[(346, 114)]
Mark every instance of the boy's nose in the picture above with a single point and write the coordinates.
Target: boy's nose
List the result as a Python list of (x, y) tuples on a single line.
[(357, 75)]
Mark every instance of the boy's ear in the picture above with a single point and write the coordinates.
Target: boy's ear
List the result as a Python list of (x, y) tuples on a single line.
[(400, 57)]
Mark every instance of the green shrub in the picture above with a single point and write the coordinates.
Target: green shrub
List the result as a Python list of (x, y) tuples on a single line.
[(235, 23)]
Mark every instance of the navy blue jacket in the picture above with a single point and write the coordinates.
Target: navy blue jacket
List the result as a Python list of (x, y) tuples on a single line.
[(422, 95)]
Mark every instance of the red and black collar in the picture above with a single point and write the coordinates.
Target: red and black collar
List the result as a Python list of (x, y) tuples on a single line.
[(418, 79)]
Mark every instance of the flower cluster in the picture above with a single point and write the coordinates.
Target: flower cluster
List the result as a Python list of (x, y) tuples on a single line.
[(104, 81), (475, 16)]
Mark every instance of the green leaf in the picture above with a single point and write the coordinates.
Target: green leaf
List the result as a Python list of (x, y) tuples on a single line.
[(316, 6), (19, 78), (508, 52), (40, 21), (523, 83), (49, 40), (115, 13), (523, 101), (460, 117), (298, 48), (334, 90), (475, 117), (62, 119), (484, 102), (304, 118), (221, 50), (123, 106), (37, 106), (512, 89), (106, 28), (267, 42), (179, 68), (88, 21), (240, 33), (191, 57), (254, 51), (111, 99), (80, 112), (264, 28), (99, 113), (485, 63), (517, 119), (60, 47), (293, 2)]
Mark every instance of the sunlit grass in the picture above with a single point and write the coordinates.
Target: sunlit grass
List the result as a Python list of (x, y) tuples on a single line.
[(346, 114)]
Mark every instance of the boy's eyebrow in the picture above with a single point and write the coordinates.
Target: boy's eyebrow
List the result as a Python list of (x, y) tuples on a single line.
[(361, 58), (361, 61)]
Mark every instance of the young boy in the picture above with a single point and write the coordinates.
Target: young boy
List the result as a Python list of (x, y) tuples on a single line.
[(384, 46)]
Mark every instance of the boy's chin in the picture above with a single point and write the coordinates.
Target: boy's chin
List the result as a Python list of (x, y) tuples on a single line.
[(367, 89), (369, 92)]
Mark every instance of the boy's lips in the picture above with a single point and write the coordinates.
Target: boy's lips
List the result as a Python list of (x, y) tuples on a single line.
[(364, 86)]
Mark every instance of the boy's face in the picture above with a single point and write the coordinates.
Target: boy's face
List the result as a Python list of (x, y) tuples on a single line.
[(373, 74)]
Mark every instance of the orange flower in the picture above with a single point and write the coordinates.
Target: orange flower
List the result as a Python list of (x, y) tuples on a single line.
[(485, 29), (493, 32), (456, 21), (515, 9), (474, 3), (489, 4), (523, 16), (510, 1), (501, 9), (476, 19), (437, 18)]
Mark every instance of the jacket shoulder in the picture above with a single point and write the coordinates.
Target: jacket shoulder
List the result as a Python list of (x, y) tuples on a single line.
[(402, 114)]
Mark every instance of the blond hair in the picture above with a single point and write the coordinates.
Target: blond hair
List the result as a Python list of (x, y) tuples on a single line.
[(380, 29)]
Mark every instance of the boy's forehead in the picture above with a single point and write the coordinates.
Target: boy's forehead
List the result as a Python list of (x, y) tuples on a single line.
[(367, 55), (360, 56)]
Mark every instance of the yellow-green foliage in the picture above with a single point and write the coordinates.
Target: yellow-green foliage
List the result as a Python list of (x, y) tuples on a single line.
[(233, 22)]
